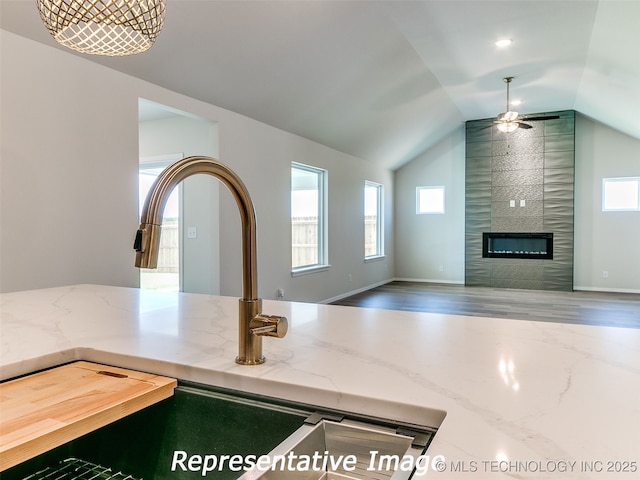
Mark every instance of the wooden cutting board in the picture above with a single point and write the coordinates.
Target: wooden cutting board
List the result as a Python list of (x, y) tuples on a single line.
[(44, 410)]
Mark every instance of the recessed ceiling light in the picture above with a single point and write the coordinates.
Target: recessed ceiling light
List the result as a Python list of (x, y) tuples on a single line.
[(505, 42), (516, 102)]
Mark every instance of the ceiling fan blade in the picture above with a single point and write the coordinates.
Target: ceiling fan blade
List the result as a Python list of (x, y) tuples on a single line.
[(480, 127), (524, 125), (537, 119)]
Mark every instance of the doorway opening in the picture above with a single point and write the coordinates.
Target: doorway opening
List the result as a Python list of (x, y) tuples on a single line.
[(166, 277), (190, 239)]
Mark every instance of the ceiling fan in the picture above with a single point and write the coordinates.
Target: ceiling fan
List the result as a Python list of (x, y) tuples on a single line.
[(508, 121)]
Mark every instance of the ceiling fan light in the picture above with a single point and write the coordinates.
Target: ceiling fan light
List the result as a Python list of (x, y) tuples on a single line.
[(507, 127), (104, 27), (509, 116)]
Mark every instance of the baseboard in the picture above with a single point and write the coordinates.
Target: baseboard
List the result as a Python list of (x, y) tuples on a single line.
[(607, 290), (355, 292), (428, 280)]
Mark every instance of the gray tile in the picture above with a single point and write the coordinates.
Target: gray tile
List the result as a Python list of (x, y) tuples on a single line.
[(478, 149), (478, 164), (557, 143), (532, 208), (476, 281), (558, 276), (517, 193), (477, 131), (563, 234), (557, 286), (561, 126), (477, 273), (521, 146), (521, 224), (553, 208), (473, 250), (478, 224), (478, 210), (473, 253), (563, 250), (478, 180), (559, 159), (529, 271), (535, 165), (520, 177), (522, 284), (559, 192), (518, 162), (479, 187), (559, 176)]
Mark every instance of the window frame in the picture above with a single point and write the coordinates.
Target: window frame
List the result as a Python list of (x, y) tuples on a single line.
[(431, 187), (322, 234), (614, 180), (379, 219)]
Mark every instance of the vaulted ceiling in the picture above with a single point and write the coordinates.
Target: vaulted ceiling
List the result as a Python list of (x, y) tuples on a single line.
[(386, 80)]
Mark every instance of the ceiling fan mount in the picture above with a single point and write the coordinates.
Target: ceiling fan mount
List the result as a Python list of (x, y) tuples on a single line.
[(508, 120)]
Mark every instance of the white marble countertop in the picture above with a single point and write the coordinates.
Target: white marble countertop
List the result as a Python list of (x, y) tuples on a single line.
[(515, 399)]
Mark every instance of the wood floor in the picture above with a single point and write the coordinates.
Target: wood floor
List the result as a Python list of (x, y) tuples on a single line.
[(590, 308)]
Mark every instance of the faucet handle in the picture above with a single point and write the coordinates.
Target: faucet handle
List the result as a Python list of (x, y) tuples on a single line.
[(138, 242), (269, 326)]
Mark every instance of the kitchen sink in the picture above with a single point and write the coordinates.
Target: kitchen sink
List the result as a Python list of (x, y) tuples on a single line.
[(346, 450), (206, 432)]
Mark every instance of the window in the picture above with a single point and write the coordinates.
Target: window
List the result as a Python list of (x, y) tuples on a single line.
[(429, 200), (620, 194), (308, 219), (373, 221)]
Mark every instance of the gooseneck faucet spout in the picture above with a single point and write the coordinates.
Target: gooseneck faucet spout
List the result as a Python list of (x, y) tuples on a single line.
[(253, 325)]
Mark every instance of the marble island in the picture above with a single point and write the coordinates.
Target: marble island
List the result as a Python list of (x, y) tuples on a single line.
[(511, 398)]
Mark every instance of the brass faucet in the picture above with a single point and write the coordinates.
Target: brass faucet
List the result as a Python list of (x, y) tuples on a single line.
[(253, 325)]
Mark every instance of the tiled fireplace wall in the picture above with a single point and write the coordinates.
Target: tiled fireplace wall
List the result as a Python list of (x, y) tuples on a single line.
[(520, 182)]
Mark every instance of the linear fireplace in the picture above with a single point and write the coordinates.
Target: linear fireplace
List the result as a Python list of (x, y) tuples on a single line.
[(517, 245)]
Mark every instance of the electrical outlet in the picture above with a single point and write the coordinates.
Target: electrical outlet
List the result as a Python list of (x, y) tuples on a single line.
[(441, 268), (605, 274), (192, 232), (280, 293)]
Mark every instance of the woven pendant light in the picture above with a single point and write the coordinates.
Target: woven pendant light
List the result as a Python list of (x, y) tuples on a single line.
[(104, 27)]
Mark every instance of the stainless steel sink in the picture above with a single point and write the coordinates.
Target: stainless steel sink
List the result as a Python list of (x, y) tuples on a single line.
[(346, 449)]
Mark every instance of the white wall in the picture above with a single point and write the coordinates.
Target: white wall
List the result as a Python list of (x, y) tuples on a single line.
[(69, 182), (431, 247), (69, 136), (268, 158), (604, 241), (200, 256)]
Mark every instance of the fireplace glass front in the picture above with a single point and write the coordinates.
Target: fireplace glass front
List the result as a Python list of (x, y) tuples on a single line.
[(517, 245)]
